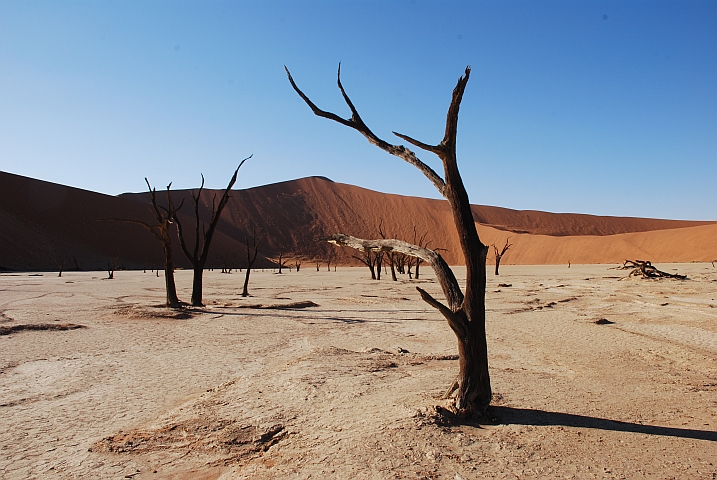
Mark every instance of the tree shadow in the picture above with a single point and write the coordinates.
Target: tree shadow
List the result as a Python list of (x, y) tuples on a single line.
[(499, 415)]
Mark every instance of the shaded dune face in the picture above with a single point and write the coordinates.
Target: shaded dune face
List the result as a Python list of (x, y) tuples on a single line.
[(43, 225)]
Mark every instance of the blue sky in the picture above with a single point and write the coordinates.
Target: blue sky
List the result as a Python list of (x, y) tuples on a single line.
[(606, 108)]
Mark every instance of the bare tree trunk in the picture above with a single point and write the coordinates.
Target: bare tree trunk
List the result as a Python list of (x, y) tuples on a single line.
[(172, 300), (465, 314), (250, 259)]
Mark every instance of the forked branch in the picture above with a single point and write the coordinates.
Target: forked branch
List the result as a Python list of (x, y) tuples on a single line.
[(358, 124)]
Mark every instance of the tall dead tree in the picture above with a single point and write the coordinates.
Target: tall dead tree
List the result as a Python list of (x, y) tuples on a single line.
[(165, 218), (250, 259), (499, 254), (465, 313), (198, 257)]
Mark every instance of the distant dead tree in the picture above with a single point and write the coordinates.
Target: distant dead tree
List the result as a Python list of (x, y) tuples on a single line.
[(368, 258), (645, 269), (390, 256), (198, 257), (499, 254), (330, 258), (165, 218), (111, 267), (60, 266), (465, 313), (280, 261), (297, 264), (250, 259), (421, 242)]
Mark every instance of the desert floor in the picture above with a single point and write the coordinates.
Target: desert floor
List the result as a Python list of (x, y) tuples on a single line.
[(349, 388)]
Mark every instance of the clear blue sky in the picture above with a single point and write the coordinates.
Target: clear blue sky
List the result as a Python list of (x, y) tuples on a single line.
[(607, 108)]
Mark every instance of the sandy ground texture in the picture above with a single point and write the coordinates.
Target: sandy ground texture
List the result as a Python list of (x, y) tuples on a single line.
[(97, 381)]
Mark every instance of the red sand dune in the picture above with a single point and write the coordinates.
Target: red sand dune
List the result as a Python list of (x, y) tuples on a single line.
[(43, 224)]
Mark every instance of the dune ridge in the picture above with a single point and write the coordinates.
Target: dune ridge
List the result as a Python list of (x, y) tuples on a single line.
[(43, 225)]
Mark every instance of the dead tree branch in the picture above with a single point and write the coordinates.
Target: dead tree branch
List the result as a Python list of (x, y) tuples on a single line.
[(645, 269)]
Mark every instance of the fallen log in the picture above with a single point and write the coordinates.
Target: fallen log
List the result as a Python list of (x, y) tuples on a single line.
[(645, 269)]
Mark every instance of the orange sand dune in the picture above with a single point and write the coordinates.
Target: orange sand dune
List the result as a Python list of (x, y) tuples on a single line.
[(44, 224)]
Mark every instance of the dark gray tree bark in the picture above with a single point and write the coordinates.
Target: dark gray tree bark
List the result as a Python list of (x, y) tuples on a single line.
[(198, 257), (165, 218), (250, 259), (465, 313)]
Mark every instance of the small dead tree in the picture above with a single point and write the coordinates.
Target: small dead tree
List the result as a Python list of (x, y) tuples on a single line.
[(250, 259), (60, 266), (280, 261), (198, 257), (645, 269), (465, 313), (499, 254), (111, 267)]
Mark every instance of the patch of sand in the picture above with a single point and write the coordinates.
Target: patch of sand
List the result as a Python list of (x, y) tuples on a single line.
[(351, 388)]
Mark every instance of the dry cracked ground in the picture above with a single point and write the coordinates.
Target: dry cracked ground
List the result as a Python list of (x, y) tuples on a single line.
[(594, 376)]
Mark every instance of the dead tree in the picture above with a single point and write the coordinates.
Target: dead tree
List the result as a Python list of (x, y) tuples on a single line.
[(391, 256), (499, 254), (165, 218), (421, 243), (379, 263), (368, 258), (645, 269), (280, 261), (60, 266), (198, 257), (111, 267), (250, 259), (465, 313)]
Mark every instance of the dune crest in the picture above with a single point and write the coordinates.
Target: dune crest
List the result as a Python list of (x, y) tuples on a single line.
[(44, 224)]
